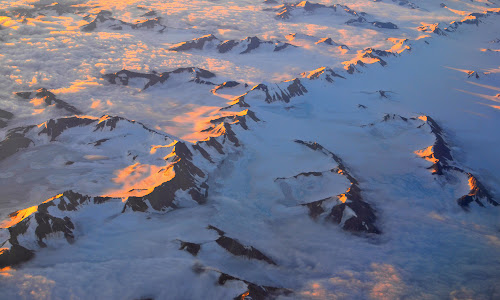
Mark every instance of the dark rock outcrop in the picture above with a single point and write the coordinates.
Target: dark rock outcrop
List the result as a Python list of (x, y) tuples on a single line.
[(385, 25), (471, 19), (192, 248), (54, 128), (234, 247), (255, 292), (237, 118), (185, 182), (284, 12), (406, 3), (282, 92), (15, 256), (38, 224), (245, 46), (276, 93), (104, 17), (472, 74), (432, 28), (478, 192), (188, 178), (330, 42), (21, 137), (42, 9), (197, 43), (123, 77), (225, 85), (49, 99), (350, 210), (439, 153), (4, 117), (323, 73), (367, 56), (14, 141)]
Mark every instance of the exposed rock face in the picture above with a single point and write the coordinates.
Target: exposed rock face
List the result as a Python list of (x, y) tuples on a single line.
[(192, 248), (238, 118), (255, 292), (292, 89), (323, 73), (37, 9), (50, 99), (38, 223), (284, 12), (366, 56), (350, 210), (432, 28), (14, 256), (22, 137), (287, 10), (378, 24), (219, 232), (4, 117), (472, 19), (439, 154), (406, 3), (251, 43), (472, 74), (54, 128), (150, 13), (327, 41), (104, 18), (234, 247), (330, 42), (124, 77), (198, 43), (225, 85), (188, 178), (386, 25), (400, 45), (227, 46), (243, 46), (282, 92), (14, 141), (478, 192)]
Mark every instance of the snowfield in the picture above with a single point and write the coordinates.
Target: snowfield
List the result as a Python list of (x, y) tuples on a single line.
[(250, 149)]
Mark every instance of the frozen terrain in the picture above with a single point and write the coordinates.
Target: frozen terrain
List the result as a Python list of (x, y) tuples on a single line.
[(250, 149)]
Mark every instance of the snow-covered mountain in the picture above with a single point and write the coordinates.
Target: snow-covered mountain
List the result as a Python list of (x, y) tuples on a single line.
[(249, 150)]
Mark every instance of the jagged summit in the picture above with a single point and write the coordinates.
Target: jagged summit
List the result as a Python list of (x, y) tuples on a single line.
[(266, 150), (184, 181), (126, 77), (349, 209), (289, 11), (44, 97), (243, 46), (443, 164), (432, 28), (286, 11), (322, 73), (104, 20)]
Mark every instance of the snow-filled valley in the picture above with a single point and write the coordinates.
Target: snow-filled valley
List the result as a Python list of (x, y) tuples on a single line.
[(250, 149)]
